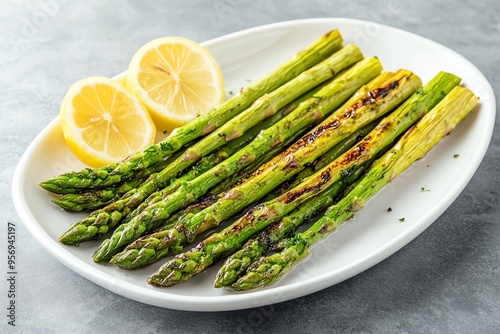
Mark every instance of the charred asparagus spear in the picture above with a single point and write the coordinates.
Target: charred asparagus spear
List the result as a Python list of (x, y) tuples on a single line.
[(227, 150), (439, 122), (202, 125), (254, 248), (337, 127), (323, 102), (76, 200), (95, 198), (338, 149), (149, 249), (101, 220)]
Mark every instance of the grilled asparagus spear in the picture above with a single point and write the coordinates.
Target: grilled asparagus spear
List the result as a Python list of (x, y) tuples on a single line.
[(439, 122), (309, 111), (202, 125), (149, 248), (101, 220), (188, 264)]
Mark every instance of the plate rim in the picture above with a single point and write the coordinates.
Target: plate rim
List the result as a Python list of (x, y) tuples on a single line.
[(259, 297)]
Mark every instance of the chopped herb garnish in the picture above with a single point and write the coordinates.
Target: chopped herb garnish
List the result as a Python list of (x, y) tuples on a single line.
[(231, 92), (424, 189), (456, 156), (402, 219), (165, 132)]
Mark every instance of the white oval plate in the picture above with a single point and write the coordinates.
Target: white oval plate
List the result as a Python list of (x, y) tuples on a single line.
[(359, 244)]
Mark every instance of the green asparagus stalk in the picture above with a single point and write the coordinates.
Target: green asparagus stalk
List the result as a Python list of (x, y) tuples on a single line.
[(226, 242), (439, 122), (95, 198), (211, 160), (317, 142), (140, 175), (270, 238), (322, 161), (101, 220), (149, 249), (338, 149), (238, 262), (202, 125), (210, 198), (322, 103), (76, 200), (245, 172), (229, 149), (200, 204), (73, 202), (68, 183)]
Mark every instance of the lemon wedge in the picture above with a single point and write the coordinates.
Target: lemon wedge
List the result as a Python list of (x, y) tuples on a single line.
[(103, 123), (177, 80)]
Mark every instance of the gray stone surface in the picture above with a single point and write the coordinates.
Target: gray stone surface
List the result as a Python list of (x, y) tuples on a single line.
[(446, 281)]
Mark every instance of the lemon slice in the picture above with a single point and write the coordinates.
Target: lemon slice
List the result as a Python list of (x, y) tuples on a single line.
[(176, 79), (103, 123)]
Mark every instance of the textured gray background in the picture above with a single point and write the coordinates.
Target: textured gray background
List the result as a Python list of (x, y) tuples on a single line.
[(446, 280)]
